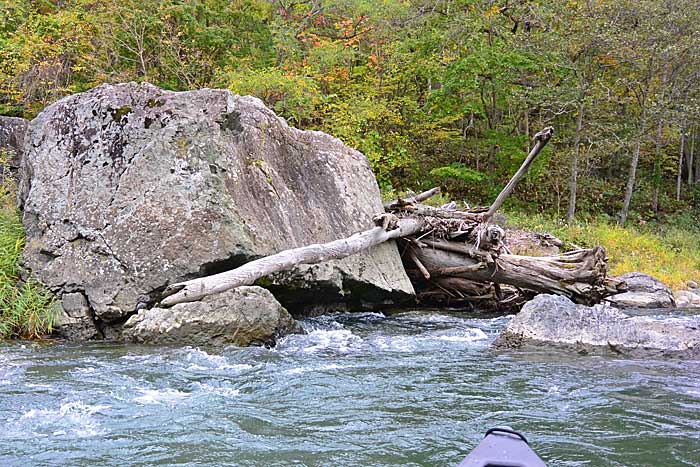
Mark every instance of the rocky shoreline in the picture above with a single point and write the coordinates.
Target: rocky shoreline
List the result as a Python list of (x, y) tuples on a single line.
[(128, 188), (555, 321)]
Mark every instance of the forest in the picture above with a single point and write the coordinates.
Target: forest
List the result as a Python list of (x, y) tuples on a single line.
[(435, 93)]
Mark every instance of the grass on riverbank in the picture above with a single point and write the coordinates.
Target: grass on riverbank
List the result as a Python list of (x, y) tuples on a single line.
[(668, 252), (26, 309)]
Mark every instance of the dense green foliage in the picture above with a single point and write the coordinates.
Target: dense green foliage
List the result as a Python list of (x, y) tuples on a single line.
[(26, 309), (442, 92)]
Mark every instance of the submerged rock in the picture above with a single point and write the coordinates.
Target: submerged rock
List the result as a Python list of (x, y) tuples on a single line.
[(552, 320), (12, 131), (643, 291), (241, 316), (129, 188)]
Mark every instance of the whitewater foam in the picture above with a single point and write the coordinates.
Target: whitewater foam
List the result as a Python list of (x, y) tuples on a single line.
[(222, 389), (75, 419), (322, 340), (160, 396), (201, 360), (314, 368), (464, 335)]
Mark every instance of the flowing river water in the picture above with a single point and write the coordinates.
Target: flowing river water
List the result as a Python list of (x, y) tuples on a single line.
[(357, 390)]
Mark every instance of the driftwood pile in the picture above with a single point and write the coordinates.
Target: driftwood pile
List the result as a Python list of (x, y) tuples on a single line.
[(457, 259), (453, 257)]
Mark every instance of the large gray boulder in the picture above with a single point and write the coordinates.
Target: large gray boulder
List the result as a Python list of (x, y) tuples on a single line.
[(241, 316), (552, 320), (12, 131), (643, 291), (128, 188)]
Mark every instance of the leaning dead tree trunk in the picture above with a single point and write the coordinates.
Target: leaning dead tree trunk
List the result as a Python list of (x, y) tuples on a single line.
[(388, 227), (452, 256)]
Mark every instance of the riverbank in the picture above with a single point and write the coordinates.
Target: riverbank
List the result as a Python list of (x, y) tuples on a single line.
[(671, 254)]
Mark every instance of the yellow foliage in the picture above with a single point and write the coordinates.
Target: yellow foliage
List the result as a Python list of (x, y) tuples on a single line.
[(493, 11)]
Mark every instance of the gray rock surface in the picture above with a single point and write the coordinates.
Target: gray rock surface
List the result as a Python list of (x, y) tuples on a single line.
[(241, 316), (687, 298), (551, 320), (523, 242), (127, 188), (74, 320), (12, 131), (643, 291)]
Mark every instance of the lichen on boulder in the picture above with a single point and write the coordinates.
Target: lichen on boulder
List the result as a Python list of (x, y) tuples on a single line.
[(128, 188)]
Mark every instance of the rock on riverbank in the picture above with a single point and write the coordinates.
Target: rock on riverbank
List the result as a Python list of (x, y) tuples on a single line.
[(550, 320), (12, 131), (643, 291), (128, 188), (689, 298), (241, 316)]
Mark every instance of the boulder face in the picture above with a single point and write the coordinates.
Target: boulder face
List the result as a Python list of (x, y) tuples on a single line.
[(12, 131), (643, 291), (242, 316), (74, 320), (551, 320), (128, 188)]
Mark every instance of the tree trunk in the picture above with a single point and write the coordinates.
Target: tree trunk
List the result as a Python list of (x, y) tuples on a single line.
[(573, 181), (579, 275), (656, 179), (250, 272), (680, 165), (697, 162), (690, 157), (542, 139), (633, 170)]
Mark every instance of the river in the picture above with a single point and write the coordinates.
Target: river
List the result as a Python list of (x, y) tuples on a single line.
[(413, 389)]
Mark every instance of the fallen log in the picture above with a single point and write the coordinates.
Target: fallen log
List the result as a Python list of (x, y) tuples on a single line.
[(579, 275), (399, 203), (389, 227)]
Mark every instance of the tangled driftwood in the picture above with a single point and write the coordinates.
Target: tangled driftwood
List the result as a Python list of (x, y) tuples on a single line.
[(454, 257)]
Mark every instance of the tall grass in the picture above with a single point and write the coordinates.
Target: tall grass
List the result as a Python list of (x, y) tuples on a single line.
[(26, 309), (670, 253)]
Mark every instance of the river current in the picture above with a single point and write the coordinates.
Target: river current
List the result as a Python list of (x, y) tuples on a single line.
[(413, 389)]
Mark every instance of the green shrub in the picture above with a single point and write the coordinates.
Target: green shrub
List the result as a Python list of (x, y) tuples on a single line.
[(26, 309), (456, 175)]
